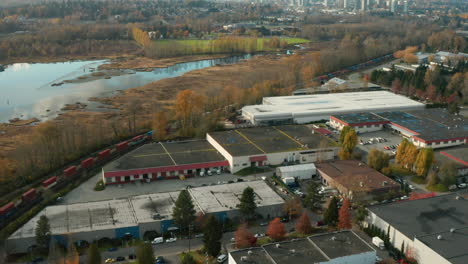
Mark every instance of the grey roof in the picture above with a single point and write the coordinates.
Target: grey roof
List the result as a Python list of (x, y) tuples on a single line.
[(425, 216), (263, 140), (457, 155), (314, 249), (359, 118), (453, 246)]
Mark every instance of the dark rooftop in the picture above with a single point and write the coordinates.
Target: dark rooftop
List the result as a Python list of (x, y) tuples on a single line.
[(452, 245), (166, 154), (314, 249), (262, 140), (457, 155), (425, 126), (340, 244), (295, 251), (425, 216), (360, 118)]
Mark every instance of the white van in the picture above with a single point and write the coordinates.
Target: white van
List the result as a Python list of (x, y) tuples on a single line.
[(222, 258), (157, 240)]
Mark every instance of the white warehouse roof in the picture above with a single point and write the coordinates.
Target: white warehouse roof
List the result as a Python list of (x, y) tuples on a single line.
[(315, 107)]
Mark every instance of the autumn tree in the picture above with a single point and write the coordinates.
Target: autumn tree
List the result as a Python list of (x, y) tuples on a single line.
[(276, 230), (377, 159), (303, 225), (244, 238), (344, 218), (448, 173), (160, 125), (330, 216), (188, 107), (424, 161), (292, 207), (349, 139)]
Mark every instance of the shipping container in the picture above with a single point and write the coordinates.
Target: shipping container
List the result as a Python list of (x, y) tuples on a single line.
[(87, 163), (6, 209), (29, 195), (49, 182), (300, 171), (69, 171), (121, 146), (104, 154)]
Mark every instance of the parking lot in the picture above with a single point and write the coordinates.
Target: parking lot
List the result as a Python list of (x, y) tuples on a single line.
[(389, 140), (86, 193)]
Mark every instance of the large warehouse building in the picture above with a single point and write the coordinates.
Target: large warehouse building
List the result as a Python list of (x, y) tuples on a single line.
[(230, 150), (278, 145), (434, 229), (309, 108), (136, 215), (434, 128)]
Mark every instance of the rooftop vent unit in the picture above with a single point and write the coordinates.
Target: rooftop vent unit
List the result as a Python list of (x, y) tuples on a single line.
[(277, 245), (250, 252), (361, 184), (384, 183), (244, 258), (452, 230), (360, 164), (292, 251), (333, 238), (439, 237)]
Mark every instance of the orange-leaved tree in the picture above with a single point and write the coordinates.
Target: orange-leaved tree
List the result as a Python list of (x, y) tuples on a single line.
[(344, 218), (276, 230), (244, 238), (303, 225)]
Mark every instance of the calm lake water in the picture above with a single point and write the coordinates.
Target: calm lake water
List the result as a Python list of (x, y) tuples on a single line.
[(26, 89)]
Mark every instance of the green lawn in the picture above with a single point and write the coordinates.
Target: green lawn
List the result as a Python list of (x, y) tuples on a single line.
[(437, 188)]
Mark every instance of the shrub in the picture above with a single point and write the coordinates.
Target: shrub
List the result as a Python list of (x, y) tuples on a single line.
[(99, 186)]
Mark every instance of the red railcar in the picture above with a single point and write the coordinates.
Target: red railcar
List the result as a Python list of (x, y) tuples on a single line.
[(29, 195), (121, 146), (4, 210), (104, 154), (87, 163), (69, 171), (49, 182)]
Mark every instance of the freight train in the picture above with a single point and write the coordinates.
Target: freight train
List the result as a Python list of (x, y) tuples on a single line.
[(33, 196), (355, 67)]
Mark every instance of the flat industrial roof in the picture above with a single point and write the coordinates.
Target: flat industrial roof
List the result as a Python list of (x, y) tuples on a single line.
[(360, 118), (356, 176), (116, 213), (166, 154), (452, 245), (219, 198), (314, 249), (340, 244), (457, 155), (263, 140), (425, 216), (327, 104), (429, 126)]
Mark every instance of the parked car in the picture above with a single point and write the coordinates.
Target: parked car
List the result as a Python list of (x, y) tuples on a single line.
[(160, 260), (320, 223), (170, 240), (221, 258), (259, 235), (199, 235), (411, 187), (157, 240), (132, 256), (37, 260), (239, 180), (120, 258), (110, 260), (233, 239), (462, 185), (285, 219), (263, 223), (112, 249)]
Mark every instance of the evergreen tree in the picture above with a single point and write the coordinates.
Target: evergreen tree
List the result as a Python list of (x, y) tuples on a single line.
[(247, 204), (330, 216), (43, 233), (212, 235), (145, 254), (184, 211), (94, 256), (313, 199)]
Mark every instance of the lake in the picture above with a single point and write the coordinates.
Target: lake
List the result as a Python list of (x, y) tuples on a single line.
[(26, 89)]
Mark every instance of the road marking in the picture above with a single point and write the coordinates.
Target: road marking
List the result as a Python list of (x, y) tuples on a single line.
[(169, 154), (246, 138), (284, 133)]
